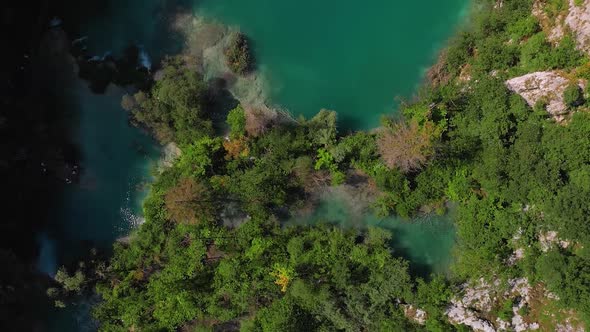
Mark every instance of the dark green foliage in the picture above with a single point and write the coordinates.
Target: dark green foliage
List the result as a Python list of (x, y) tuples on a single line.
[(569, 277), (535, 53), (572, 96), (538, 54), (434, 297), (174, 108), (164, 283), (322, 128), (523, 27)]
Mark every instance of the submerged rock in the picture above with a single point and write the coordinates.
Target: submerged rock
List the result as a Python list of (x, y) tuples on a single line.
[(170, 153)]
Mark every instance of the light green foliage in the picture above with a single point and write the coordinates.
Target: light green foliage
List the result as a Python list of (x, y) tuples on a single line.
[(198, 159), (555, 7), (68, 286), (523, 27), (70, 283), (322, 128), (325, 160), (359, 150), (236, 119), (535, 53), (459, 186), (505, 312)]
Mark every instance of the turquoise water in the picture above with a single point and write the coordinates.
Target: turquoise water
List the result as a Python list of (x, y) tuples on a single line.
[(106, 204), (425, 242), (349, 56), (115, 164)]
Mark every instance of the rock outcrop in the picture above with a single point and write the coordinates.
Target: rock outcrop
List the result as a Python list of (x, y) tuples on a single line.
[(170, 153), (547, 86), (576, 18), (476, 298), (550, 239), (478, 302), (477, 307), (459, 314), (416, 314), (578, 21)]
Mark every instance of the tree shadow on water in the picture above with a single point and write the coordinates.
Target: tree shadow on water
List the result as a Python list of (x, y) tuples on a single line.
[(219, 102)]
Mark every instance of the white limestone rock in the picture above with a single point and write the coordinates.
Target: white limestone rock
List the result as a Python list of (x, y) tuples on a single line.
[(416, 314), (544, 85), (459, 314), (578, 21), (549, 239), (575, 19), (170, 153)]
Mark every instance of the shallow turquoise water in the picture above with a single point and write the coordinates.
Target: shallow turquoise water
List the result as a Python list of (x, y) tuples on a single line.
[(349, 56), (425, 242)]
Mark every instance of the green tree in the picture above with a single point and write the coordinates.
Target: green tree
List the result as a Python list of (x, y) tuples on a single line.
[(572, 96), (236, 120)]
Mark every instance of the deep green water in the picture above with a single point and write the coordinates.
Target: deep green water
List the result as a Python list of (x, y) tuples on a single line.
[(116, 161), (349, 56), (342, 55)]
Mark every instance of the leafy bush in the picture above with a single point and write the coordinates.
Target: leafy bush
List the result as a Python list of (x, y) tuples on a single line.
[(236, 119), (572, 96)]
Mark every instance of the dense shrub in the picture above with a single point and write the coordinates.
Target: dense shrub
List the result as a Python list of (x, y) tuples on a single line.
[(572, 96)]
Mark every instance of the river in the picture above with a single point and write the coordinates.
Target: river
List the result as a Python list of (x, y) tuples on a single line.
[(312, 54)]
